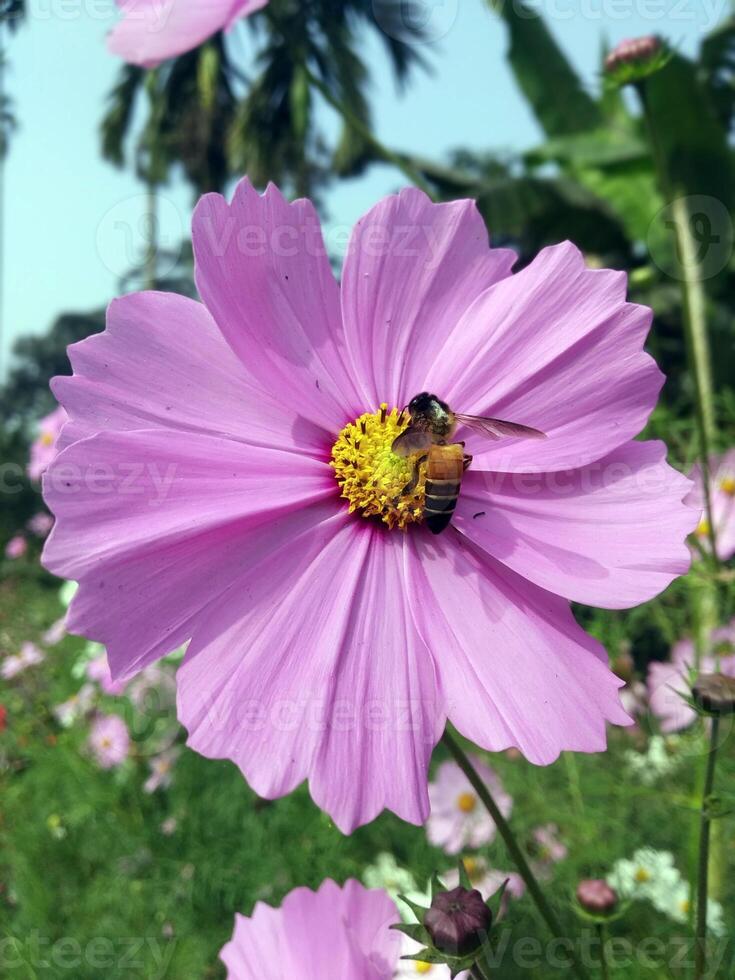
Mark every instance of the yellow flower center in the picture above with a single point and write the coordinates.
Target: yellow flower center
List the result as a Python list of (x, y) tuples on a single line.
[(728, 485), (467, 802), (422, 967), (642, 875), (685, 906), (475, 868), (46, 439), (371, 476), (702, 528)]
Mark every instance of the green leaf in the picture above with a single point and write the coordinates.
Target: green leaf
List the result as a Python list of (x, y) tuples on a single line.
[(692, 147), (414, 930), (545, 76), (418, 910)]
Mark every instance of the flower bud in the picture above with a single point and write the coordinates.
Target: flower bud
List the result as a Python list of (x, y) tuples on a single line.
[(458, 921), (633, 51), (715, 693), (596, 896)]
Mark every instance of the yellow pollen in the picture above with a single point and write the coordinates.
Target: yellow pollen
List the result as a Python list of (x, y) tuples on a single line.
[(728, 485), (422, 967), (47, 439), (702, 528), (685, 906), (642, 875), (467, 802), (475, 868), (371, 476)]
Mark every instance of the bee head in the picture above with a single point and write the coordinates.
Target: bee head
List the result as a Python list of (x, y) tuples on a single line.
[(425, 404)]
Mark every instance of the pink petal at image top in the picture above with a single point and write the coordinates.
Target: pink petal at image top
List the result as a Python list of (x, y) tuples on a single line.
[(326, 643), (151, 31), (331, 934)]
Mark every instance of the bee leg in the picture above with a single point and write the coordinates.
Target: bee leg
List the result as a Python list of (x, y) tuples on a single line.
[(413, 482), (466, 461)]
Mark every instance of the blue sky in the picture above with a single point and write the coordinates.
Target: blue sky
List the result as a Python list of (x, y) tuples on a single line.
[(72, 220)]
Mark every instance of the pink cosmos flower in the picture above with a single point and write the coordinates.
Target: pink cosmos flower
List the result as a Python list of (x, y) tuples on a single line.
[(153, 30), (98, 670), (29, 656), (458, 819), (16, 547), (43, 448), (669, 680), (109, 741), (40, 524), (76, 706), (550, 846), (227, 476), (55, 633), (161, 767), (331, 934), (722, 488)]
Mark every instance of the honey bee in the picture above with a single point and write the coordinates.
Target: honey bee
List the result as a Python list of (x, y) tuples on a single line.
[(429, 433)]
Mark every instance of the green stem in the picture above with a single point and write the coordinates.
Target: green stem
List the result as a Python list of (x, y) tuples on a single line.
[(700, 960), (602, 933), (514, 849), (477, 973), (390, 156), (694, 308)]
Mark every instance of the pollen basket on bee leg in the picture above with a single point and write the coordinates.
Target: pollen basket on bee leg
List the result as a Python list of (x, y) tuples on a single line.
[(371, 476)]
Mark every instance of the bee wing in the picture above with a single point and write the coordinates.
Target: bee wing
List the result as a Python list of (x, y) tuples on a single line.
[(411, 441), (497, 428)]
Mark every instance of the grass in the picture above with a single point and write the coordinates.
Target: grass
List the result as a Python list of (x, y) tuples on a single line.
[(91, 886)]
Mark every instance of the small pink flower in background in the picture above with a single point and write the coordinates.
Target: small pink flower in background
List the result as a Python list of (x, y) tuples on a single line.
[(29, 656), (76, 706), (242, 409), (16, 547), (98, 670), (55, 633), (161, 767), (169, 826), (634, 697), (669, 680), (154, 689), (109, 741), (40, 524), (153, 30), (458, 819), (43, 447), (722, 487), (487, 880), (331, 934), (549, 849)]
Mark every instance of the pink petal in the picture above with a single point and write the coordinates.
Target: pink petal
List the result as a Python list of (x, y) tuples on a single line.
[(514, 667), (556, 347), (331, 934), (153, 30), (156, 524), (263, 272), (319, 675), (611, 534), (162, 362), (412, 270)]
